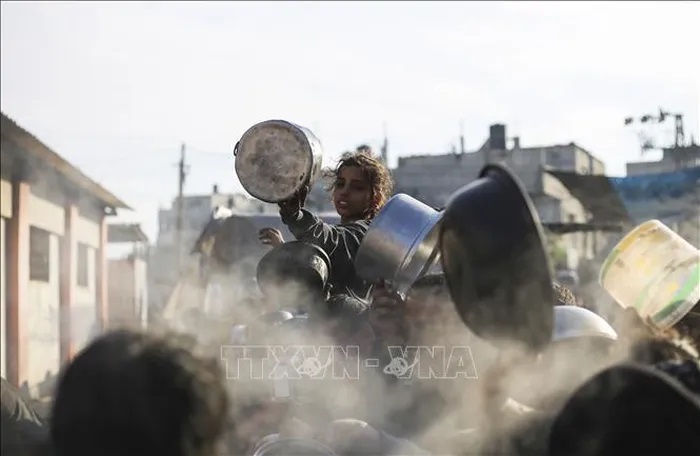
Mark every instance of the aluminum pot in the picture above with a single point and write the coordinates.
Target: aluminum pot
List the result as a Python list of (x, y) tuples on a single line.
[(264, 441), (572, 322), (495, 262), (276, 158), (274, 445), (294, 262), (401, 243)]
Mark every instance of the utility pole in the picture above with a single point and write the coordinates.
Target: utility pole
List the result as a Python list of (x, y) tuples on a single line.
[(677, 150), (182, 173), (647, 142)]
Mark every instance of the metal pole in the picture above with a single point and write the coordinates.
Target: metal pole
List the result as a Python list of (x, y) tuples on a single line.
[(179, 220)]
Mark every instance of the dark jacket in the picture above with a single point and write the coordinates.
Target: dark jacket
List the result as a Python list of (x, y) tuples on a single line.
[(340, 242)]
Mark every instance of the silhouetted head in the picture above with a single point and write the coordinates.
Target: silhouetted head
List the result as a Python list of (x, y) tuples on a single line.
[(137, 394)]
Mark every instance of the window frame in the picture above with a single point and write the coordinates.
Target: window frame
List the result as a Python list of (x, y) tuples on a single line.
[(82, 267), (39, 261)]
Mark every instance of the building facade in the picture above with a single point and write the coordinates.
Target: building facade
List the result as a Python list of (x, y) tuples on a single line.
[(53, 242), (433, 178), (196, 212), (673, 159), (128, 278)]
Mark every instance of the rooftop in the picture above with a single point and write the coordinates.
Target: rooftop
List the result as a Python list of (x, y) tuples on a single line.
[(522, 149), (118, 233), (597, 195), (30, 145)]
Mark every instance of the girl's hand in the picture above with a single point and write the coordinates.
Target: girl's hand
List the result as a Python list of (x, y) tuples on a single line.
[(271, 236), (387, 314), (293, 205)]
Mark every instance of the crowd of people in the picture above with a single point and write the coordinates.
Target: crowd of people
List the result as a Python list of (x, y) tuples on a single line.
[(448, 393)]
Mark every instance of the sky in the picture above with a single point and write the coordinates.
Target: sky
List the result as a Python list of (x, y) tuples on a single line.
[(117, 87)]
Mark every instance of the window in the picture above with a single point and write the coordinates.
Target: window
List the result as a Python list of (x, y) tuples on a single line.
[(39, 254), (83, 265)]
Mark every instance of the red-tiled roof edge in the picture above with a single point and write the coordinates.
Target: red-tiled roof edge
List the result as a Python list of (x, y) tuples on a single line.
[(34, 146)]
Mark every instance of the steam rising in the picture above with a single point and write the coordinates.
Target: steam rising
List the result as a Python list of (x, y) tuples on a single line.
[(537, 382)]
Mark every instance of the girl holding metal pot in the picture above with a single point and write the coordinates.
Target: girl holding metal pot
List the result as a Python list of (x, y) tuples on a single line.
[(360, 185)]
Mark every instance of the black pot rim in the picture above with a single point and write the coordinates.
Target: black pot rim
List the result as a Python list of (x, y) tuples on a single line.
[(504, 176), (502, 172)]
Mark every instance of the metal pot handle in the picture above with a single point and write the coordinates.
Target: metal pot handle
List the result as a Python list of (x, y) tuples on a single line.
[(235, 149)]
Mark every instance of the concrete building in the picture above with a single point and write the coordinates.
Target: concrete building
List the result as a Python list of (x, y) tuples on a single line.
[(128, 279), (416, 175), (433, 178), (53, 248), (673, 159), (196, 212)]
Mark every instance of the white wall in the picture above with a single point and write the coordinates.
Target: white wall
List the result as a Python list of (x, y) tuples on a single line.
[(41, 310), (40, 314), (46, 215), (84, 308), (3, 306), (5, 198), (571, 211), (128, 292), (5, 213), (121, 292)]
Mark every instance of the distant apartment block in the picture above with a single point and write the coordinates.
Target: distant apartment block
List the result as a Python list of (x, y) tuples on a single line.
[(433, 178), (673, 159)]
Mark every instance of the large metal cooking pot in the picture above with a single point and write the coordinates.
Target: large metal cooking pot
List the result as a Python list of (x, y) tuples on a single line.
[(276, 158), (401, 243), (572, 322), (294, 262), (495, 263)]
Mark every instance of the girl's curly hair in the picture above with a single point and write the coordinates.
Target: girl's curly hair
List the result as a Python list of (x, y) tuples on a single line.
[(380, 180)]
